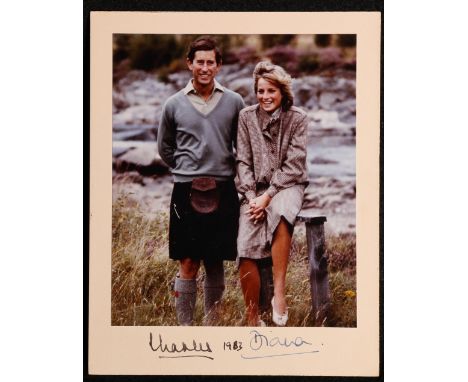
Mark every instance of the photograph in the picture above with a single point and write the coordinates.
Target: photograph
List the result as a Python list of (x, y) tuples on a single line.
[(285, 141), (234, 194)]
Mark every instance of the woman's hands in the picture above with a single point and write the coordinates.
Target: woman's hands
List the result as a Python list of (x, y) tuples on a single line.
[(257, 207)]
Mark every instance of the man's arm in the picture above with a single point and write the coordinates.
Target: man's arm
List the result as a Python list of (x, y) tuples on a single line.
[(235, 122), (167, 136)]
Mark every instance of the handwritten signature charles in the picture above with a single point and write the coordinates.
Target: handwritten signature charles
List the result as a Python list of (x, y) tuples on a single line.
[(173, 348)]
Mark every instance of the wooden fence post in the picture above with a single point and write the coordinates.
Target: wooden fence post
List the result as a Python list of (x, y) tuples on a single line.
[(318, 267), (266, 287)]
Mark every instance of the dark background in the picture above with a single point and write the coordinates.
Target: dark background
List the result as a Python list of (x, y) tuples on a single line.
[(238, 6)]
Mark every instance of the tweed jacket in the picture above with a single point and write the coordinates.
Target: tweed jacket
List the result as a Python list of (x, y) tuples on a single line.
[(253, 163)]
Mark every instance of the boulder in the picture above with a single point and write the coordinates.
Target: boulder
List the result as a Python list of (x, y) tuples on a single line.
[(137, 115), (142, 154), (150, 91), (119, 101), (321, 160), (327, 100), (244, 86), (230, 73), (118, 151), (139, 156), (140, 133), (132, 76), (180, 79), (304, 94), (325, 119)]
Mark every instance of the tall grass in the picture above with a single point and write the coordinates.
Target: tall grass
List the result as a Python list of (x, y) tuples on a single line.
[(142, 275)]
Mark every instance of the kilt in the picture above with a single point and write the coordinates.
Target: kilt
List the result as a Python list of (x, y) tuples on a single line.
[(210, 236)]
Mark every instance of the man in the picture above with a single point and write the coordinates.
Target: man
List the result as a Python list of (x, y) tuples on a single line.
[(195, 138)]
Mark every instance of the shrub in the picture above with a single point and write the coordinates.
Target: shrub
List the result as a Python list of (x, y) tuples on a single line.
[(120, 47), (153, 51), (342, 311), (271, 40), (341, 253), (176, 65), (242, 55), (285, 56), (330, 57), (308, 62), (347, 40), (322, 40)]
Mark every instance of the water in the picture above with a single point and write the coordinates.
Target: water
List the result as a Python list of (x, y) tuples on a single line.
[(332, 157)]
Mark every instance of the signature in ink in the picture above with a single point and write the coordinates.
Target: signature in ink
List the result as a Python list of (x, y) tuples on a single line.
[(259, 341), (181, 348)]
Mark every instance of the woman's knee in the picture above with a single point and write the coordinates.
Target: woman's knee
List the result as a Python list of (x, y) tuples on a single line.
[(283, 228)]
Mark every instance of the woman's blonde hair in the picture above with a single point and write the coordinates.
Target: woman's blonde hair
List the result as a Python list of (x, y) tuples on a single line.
[(278, 77)]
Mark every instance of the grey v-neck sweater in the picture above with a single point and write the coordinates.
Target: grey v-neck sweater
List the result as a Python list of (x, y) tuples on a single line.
[(193, 144)]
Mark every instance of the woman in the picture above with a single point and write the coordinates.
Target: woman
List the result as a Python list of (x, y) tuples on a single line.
[(271, 165)]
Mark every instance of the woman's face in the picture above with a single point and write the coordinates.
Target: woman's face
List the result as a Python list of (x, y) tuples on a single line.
[(268, 95)]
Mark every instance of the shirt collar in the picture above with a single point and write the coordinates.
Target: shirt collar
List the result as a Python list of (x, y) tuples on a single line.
[(190, 89), (268, 119)]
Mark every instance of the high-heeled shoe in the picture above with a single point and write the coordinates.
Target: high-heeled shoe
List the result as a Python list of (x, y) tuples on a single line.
[(278, 319)]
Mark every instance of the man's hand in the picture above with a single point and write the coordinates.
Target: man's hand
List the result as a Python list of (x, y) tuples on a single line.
[(257, 207)]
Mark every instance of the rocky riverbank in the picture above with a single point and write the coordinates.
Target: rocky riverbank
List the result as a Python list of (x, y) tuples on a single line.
[(330, 103)]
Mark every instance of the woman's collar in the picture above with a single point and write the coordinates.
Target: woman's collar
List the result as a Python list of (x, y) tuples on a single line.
[(266, 118)]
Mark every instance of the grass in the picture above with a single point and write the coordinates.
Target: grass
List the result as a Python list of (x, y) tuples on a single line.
[(142, 275)]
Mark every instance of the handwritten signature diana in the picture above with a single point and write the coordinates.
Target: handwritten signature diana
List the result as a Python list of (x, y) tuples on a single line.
[(260, 341)]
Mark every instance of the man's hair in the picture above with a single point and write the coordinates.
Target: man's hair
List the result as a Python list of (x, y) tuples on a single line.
[(276, 75), (204, 43)]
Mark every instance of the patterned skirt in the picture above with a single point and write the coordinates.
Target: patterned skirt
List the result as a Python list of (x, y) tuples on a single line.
[(254, 240)]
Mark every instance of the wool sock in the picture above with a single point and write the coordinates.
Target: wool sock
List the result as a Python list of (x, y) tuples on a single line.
[(213, 289), (185, 297)]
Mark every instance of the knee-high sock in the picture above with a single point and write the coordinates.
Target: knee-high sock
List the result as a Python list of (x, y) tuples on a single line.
[(185, 298), (213, 285)]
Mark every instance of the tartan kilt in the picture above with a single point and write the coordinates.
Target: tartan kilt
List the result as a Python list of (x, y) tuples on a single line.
[(210, 236)]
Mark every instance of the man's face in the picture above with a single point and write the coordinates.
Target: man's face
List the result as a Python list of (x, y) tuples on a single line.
[(204, 68)]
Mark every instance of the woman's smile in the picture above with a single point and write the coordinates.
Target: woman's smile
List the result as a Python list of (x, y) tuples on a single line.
[(268, 95)]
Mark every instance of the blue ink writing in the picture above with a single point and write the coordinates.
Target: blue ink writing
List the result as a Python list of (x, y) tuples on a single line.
[(259, 341)]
